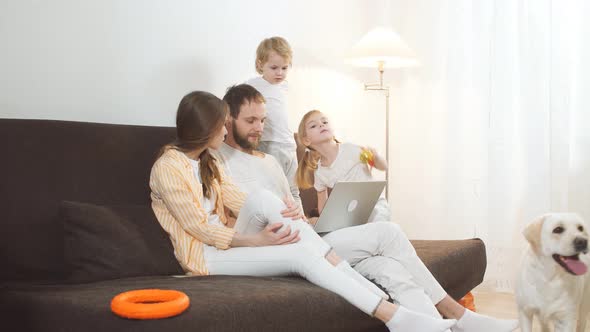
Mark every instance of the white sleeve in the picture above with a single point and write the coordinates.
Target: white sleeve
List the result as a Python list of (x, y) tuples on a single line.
[(256, 83), (354, 149), (318, 184)]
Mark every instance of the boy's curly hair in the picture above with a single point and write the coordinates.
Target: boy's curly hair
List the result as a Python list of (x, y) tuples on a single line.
[(277, 44)]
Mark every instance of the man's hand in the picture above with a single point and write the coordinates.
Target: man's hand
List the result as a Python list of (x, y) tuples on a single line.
[(293, 210)]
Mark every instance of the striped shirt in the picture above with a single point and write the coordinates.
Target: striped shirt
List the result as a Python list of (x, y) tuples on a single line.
[(177, 203)]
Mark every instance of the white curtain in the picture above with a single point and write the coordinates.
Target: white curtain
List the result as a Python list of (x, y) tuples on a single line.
[(494, 128)]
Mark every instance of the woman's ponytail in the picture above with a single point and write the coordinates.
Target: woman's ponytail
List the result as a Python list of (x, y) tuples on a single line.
[(209, 172)]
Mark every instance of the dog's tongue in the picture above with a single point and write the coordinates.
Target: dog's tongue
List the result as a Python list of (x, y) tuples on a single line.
[(575, 265)]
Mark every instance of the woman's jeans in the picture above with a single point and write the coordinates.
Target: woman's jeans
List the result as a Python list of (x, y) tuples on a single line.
[(304, 258)]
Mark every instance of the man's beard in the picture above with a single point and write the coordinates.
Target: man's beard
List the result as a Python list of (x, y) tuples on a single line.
[(243, 141)]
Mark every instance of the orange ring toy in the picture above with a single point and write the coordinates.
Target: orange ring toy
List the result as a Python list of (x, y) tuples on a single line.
[(150, 303)]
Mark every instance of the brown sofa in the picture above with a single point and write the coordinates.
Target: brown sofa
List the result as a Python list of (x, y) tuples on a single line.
[(77, 229)]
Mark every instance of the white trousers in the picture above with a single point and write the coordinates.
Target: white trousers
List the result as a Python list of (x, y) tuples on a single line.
[(382, 252), (305, 258)]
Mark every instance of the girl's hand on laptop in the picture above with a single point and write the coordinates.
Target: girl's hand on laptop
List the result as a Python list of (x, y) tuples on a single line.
[(312, 221)]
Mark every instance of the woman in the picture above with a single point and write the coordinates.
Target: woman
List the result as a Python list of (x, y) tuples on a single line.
[(190, 193)]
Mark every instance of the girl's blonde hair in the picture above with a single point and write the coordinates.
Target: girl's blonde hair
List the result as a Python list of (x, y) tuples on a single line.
[(277, 44), (309, 162)]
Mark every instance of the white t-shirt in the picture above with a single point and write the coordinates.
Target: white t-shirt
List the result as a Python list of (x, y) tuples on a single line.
[(348, 167), (276, 126), (207, 203), (250, 172)]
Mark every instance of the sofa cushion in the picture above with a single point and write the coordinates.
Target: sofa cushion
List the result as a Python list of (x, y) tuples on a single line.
[(109, 242), (218, 303), (457, 265)]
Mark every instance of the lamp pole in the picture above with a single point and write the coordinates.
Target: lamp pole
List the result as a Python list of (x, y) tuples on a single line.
[(380, 87)]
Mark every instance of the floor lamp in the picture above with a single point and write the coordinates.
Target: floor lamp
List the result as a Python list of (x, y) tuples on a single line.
[(382, 48)]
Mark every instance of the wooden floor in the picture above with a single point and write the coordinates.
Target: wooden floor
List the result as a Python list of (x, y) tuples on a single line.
[(501, 305)]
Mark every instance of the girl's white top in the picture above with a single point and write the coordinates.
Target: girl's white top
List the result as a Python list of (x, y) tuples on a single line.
[(348, 167)]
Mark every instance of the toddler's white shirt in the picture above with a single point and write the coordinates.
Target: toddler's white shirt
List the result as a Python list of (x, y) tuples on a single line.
[(276, 126)]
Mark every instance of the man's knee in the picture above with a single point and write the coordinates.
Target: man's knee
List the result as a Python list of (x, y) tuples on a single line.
[(264, 203)]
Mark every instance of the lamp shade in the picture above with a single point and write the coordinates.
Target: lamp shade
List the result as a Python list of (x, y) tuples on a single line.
[(381, 46)]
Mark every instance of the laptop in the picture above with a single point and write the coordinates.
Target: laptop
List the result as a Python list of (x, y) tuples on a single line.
[(349, 204)]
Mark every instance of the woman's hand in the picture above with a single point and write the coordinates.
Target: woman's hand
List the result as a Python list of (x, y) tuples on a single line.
[(230, 218), (269, 236)]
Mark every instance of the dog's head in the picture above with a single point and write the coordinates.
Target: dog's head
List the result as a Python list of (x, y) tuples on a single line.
[(562, 236)]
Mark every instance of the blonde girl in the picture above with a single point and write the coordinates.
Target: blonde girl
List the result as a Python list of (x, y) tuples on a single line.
[(395, 264)]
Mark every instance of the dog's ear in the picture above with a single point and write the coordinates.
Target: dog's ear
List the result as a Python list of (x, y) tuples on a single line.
[(533, 233)]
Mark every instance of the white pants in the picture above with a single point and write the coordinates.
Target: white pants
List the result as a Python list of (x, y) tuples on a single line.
[(286, 155), (305, 258), (382, 252), (381, 211)]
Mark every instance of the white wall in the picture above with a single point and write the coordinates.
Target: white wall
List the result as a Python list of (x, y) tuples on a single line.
[(132, 61)]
